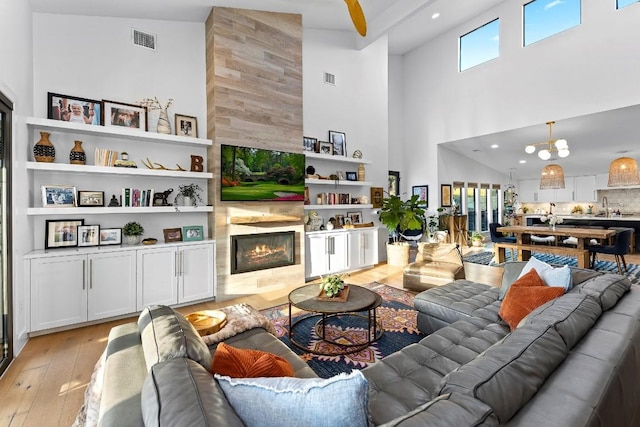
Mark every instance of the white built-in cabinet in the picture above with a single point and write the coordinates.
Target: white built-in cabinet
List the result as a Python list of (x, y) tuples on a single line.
[(577, 188), (330, 252), (585, 188), (71, 287)]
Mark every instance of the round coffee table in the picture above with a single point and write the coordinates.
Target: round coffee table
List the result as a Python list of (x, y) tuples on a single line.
[(359, 300)]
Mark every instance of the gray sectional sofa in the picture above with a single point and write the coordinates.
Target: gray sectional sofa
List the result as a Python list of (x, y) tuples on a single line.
[(575, 361)]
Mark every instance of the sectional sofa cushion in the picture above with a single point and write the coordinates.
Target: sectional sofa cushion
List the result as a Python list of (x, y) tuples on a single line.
[(180, 392), (509, 374), (247, 363), (266, 402), (607, 289), (443, 252), (167, 334)]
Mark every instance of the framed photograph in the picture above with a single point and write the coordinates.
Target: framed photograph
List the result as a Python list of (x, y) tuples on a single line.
[(110, 236), (445, 195), (355, 217), (88, 235), (61, 233), (377, 194), (186, 125), (58, 196), (325, 147), (192, 232), (73, 109), (393, 186), (339, 220), (339, 141), (309, 144), (125, 115), (90, 198), (352, 176), (172, 234), (340, 175), (423, 192)]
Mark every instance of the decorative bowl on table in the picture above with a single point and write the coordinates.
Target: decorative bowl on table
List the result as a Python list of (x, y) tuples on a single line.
[(207, 322)]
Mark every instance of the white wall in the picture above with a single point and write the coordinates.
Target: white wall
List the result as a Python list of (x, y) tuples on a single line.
[(590, 68), (396, 113), (454, 167), (16, 82)]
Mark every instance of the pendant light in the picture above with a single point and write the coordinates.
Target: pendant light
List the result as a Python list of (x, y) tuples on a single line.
[(552, 177), (623, 171)]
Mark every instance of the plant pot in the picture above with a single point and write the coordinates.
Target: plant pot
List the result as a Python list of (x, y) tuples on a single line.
[(398, 254), (186, 201), (131, 240), (477, 242)]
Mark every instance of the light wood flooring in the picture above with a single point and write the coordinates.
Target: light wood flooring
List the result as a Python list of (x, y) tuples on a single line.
[(45, 384)]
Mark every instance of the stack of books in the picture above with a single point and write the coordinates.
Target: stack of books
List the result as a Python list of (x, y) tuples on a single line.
[(105, 157), (134, 197)]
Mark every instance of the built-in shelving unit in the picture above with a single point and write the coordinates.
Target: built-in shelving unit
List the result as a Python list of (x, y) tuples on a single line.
[(107, 170), (343, 182), (345, 206), (342, 159), (118, 210)]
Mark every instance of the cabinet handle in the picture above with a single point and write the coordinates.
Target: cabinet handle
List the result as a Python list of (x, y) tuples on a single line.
[(181, 263), (84, 274), (176, 267), (90, 274)]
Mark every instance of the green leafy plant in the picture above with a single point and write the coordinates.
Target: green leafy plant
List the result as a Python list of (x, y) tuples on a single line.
[(189, 190), (477, 236), (398, 215), (332, 285), (132, 229)]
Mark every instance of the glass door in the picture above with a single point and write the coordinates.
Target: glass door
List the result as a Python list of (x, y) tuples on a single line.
[(6, 350)]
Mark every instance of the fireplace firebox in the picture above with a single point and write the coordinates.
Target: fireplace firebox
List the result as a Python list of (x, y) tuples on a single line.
[(251, 252)]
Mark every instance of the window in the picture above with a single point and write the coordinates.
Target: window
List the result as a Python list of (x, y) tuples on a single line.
[(483, 199), (544, 18), (495, 215), (456, 196), (471, 206), (480, 45), (623, 3)]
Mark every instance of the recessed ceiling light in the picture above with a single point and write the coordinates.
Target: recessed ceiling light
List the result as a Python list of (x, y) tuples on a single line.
[(523, 161), (435, 15), (494, 146)]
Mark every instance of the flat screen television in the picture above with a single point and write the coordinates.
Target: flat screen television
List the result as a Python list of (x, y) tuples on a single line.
[(255, 174)]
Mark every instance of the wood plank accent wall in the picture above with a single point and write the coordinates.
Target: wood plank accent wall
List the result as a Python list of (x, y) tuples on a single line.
[(254, 99)]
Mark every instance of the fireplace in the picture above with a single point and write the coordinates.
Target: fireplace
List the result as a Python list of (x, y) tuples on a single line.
[(251, 252)]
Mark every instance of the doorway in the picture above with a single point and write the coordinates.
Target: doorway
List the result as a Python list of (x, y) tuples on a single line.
[(6, 327)]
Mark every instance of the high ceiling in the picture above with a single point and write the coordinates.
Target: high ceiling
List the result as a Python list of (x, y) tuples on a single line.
[(594, 140)]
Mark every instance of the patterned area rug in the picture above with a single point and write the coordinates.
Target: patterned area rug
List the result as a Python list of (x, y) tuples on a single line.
[(486, 258), (398, 320)]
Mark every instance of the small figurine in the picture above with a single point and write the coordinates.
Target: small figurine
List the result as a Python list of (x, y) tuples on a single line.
[(125, 162), (114, 202), (160, 199)]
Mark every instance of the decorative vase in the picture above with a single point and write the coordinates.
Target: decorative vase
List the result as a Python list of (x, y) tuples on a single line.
[(131, 240), (77, 155), (163, 123), (44, 151), (360, 172)]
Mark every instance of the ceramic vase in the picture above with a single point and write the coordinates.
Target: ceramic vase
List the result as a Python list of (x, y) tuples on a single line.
[(131, 240), (186, 201), (163, 123), (360, 172), (77, 155), (44, 151)]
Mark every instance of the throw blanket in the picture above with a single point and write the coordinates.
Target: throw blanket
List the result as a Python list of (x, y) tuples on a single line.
[(240, 318)]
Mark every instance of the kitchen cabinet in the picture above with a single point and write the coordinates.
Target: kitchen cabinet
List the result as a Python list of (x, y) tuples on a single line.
[(585, 188), (326, 253), (529, 191), (70, 289), (363, 248)]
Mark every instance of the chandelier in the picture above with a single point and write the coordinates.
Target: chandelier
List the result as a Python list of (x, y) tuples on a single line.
[(623, 171), (560, 146), (552, 177)]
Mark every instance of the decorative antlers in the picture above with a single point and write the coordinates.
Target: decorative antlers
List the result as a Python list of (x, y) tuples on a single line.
[(150, 165)]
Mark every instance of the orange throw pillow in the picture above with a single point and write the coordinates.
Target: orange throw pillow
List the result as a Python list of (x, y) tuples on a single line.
[(246, 363), (525, 295)]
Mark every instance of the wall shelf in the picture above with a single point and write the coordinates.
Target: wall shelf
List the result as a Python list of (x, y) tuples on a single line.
[(341, 159), (118, 210), (263, 219), (351, 206), (315, 181), (108, 170)]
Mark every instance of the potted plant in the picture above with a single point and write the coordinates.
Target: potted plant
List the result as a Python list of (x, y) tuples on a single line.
[(132, 232), (398, 215), (332, 285), (477, 238), (189, 194)]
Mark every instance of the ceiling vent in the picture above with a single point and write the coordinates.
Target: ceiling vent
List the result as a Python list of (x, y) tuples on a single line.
[(329, 78), (142, 39)]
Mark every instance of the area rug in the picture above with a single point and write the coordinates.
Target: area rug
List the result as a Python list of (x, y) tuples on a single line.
[(486, 258), (398, 320)]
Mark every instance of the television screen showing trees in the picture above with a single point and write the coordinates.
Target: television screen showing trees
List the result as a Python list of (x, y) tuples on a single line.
[(250, 174)]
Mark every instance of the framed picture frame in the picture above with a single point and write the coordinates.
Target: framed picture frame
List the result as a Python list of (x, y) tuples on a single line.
[(352, 176), (339, 220), (445, 195), (341, 175), (186, 125), (61, 233), (124, 115), (191, 233), (90, 199), (325, 147), (172, 234), (356, 217), (110, 236), (393, 186), (309, 144), (339, 141), (422, 191), (88, 235), (377, 194), (74, 109), (58, 196)]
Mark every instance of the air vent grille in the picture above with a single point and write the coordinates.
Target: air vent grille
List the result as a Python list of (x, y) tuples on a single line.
[(142, 39), (329, 78)]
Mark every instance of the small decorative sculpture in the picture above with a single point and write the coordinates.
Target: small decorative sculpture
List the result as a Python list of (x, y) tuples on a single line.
[(150, 165), (114, 202), (160, 199)]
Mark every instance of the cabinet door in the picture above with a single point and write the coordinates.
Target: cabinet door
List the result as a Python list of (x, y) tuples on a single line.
[(112, 284), (565, 194), (58, 291), (316, 262), (337, 250), (196, 274), (528, 190), (363, 248), (585, 188), (157, 277)]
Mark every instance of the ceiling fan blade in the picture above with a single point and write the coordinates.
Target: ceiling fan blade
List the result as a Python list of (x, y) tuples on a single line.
[(357, 16)]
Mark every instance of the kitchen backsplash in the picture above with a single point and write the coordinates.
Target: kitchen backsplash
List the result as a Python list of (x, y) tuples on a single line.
[(626, 200)]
